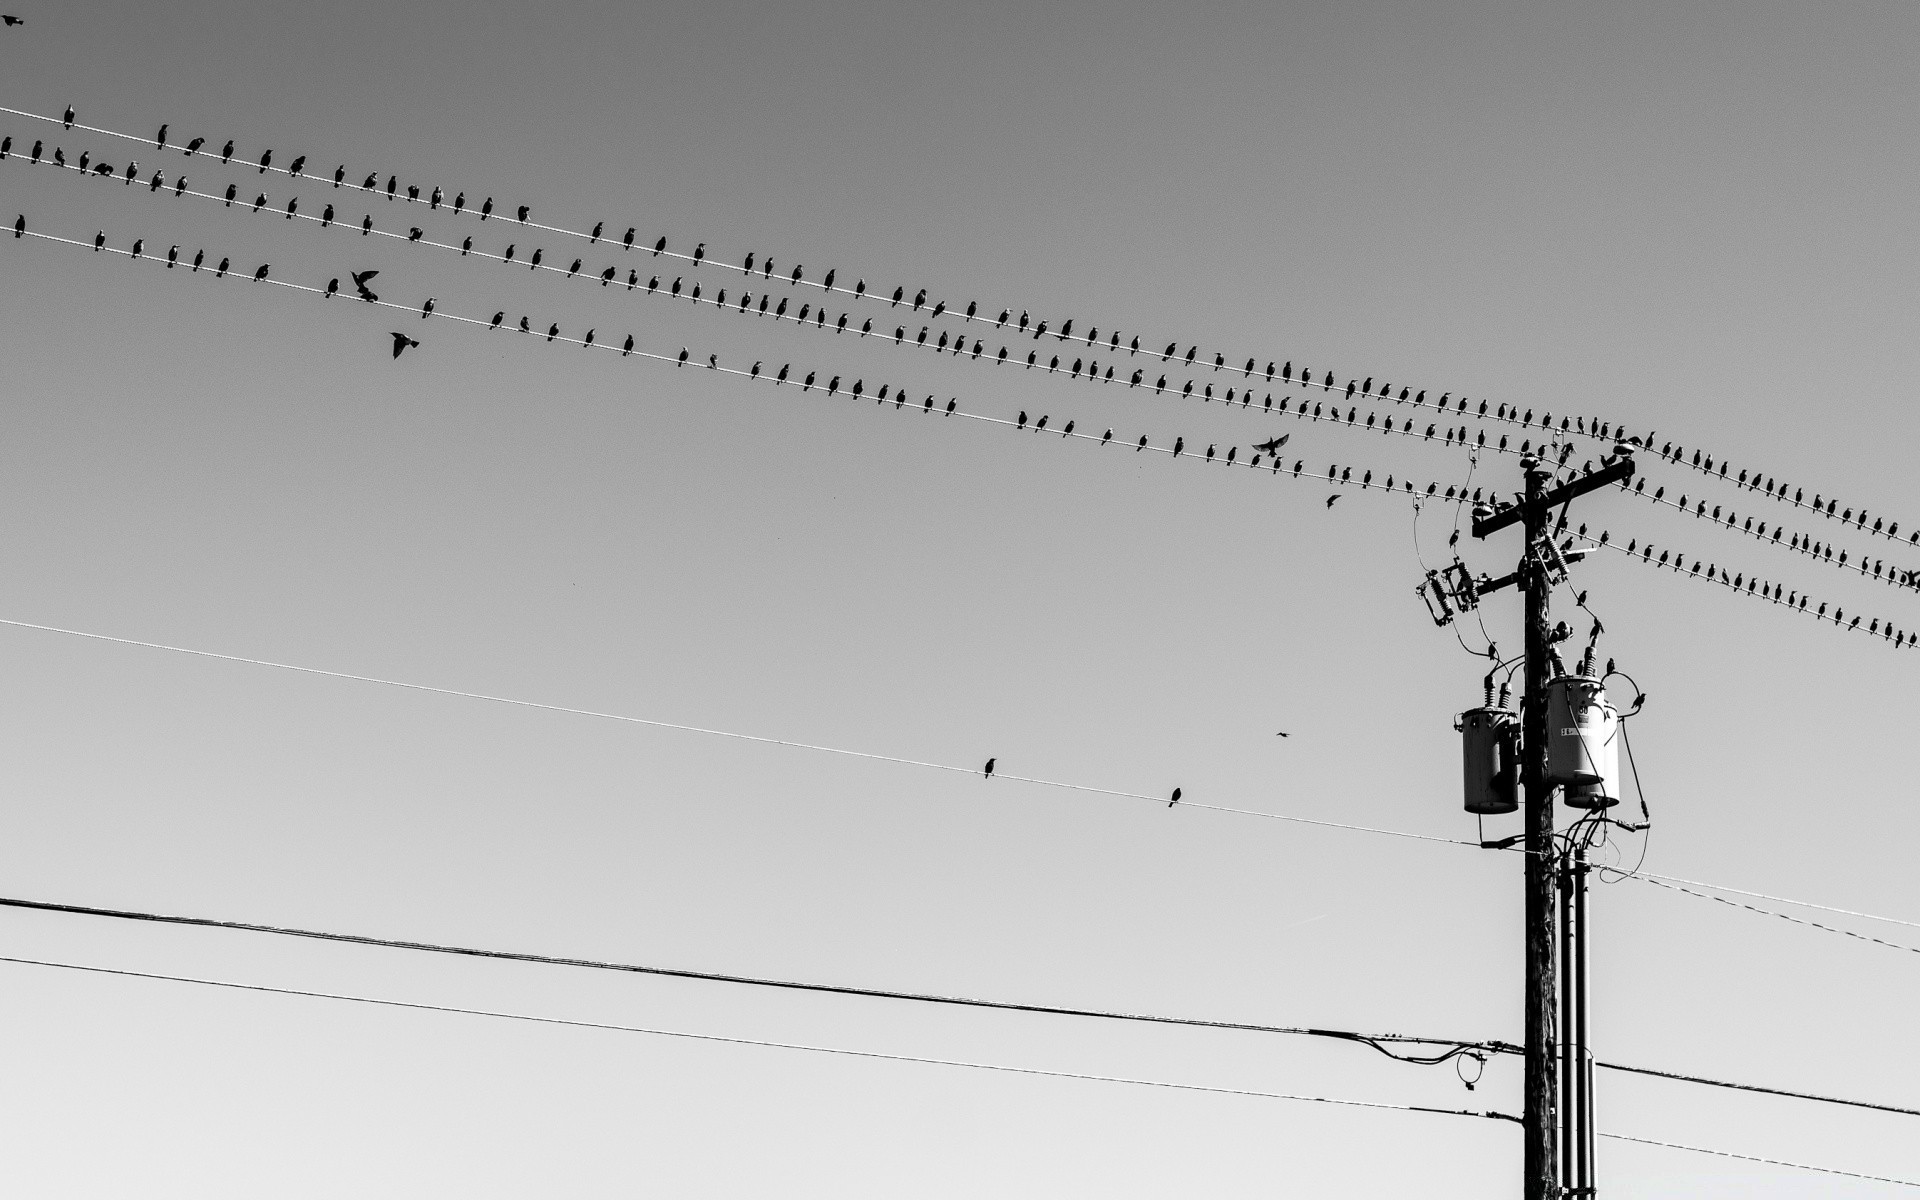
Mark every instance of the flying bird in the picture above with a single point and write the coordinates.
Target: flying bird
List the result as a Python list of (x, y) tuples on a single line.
[(10, 19), (1272, 445), (1332, 498), (402, 342)]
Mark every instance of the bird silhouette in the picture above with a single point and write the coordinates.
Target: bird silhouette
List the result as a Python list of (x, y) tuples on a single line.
[(20, 226), (173, 256), (486, 209), (199, 256), (433, 202), (402, 342), (713, 364), (1179, 444), (393, 185), (10, 19), (659, 246), (326, 217), (1332, 498), (1175, 798), (339, 174), (266, 160), (533, 264), (628, 348), (426, 310), (588, 340), (699, 253), (220, 272), (524, 328), (783, 374), (1272, 445), (508, 256), (574, 269), (987, 771), (66, 122), (261, 273), (683, 357), (193, 145), (524, 210), (553, 331), (333, 286), (497, 318), (296, 166)]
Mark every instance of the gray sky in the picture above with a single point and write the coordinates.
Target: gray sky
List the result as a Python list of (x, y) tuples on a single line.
[(1696, 220)]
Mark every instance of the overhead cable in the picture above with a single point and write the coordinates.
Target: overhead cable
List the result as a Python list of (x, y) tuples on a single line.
[(420, 1006), (1364, 388), (1754, 1158), (1674, 887), (746, 737), (1446, 1048)]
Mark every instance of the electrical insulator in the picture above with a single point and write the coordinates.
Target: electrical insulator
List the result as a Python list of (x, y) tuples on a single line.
[(1489, 758), (1583, 748)]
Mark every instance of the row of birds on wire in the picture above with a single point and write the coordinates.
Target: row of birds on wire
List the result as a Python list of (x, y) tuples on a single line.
[(1452, 436), (436, 200), (1266, 455)]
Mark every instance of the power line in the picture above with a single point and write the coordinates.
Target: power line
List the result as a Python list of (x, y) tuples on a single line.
[(1600, 429), (747, 737), (1717, 887), (1452, 438), (420, 1006), (1452, 1047), (1674, 887), (567, 1022), (1752, 1087), (1772, 1162)]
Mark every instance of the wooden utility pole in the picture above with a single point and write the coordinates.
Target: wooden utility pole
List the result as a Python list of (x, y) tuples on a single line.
[(1541, 1112)]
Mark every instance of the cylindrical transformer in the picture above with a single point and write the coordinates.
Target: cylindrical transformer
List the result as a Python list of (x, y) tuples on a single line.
[(1488, 759), (1583, 749)]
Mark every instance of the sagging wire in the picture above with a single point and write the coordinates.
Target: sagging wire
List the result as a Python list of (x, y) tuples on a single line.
[(1502, 413)]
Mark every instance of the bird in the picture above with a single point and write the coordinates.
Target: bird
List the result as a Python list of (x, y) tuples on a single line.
[(296, 166), (99, 239), (628, 240), (606, 277), (199, 256), (1272, 445), (713, 363), (533, 264), (497, 318), (339, 173), (486, 209), (553, 331), (584, 342), (1179, 444), (1332, 498), (699, 253), (1175, 798), (261, 273), (628, 348), (426, 310), (193, 146), (226, 152), (402, 342), (1283, 733), (433, 202), (574, 269), (293, 207), (173, 256), (259, 202), (782, 378), (137, 244), (524, 210), (797, 269), (683, 359), (133, 169), (508, 256), (220, 272), (66, 122), (10, 19), (20, 225), (592, 238), (393, 185), (523, 326), (659, 246), (987, 771)]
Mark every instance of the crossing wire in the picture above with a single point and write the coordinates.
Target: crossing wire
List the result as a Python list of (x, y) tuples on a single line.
[(1601, 430), (1454, 437)]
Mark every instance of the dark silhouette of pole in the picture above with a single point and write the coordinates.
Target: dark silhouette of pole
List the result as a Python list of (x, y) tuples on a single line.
[(1540, 1108)]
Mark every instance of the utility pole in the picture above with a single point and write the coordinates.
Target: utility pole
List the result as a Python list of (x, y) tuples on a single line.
[(1542, 1114)]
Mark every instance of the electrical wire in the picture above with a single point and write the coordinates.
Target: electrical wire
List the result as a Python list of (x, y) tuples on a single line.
[(747, 737), (1381, 1042), (1765, 1091), (1657, 881), (1754, 1158), (420, 1006), (1601, 430)]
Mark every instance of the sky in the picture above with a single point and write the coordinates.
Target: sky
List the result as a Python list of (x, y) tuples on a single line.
[(1694, 221)]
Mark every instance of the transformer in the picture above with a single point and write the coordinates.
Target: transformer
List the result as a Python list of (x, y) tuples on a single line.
[(1489, 759), (1583, 747)]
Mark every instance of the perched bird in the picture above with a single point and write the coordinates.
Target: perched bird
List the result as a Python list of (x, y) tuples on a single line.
[(713, 364), (950, 405), (508, 256), (523, 326), (199, 256), (226, 152), (594, 238), (497, 318), (66, 122), (366, 225), (553, 331), (1179, 444), (259, 202), (433, 201), (782, 378), (486, 209), (133, 169), (796, 272), (298, 165), (574, 269), (220, 272), (369, 183), (99, 239), (459, 203), (261, 273), (586, 341), (987, 771), (293, 206), (137, 244), (339, 173), (699, 253), (523, 214), (60, 158), (413, 192), (659, 246), (533, 264), (333, 285), (20, 225), (6, 145), (401, 342), (628, 348), (173, 256), (1175, 799), (36, 151), (393, 185), (426, 310), (194, 145), (683, 360), (627, 242), (606, 277)]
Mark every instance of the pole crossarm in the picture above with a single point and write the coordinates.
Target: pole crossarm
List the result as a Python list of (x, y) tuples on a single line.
[(1616, 473)]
